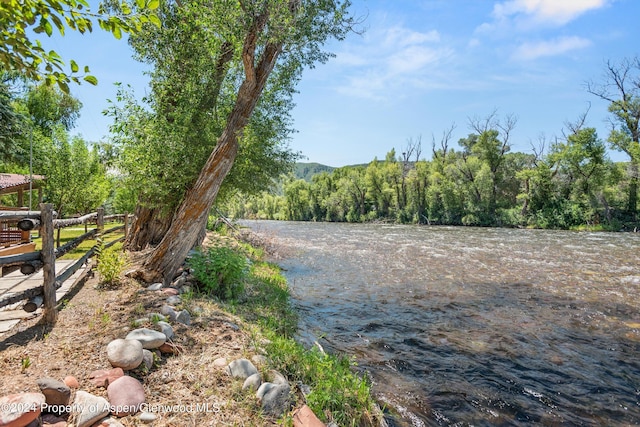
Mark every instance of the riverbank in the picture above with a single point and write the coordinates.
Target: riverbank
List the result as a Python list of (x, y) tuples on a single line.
[(191, 377)]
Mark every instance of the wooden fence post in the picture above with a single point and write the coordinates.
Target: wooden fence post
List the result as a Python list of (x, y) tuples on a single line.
[(48, 256), (100, 220), (126, 225)]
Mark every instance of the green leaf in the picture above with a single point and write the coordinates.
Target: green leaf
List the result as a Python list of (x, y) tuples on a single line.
[(74, 66), (47, 26), (140, 4), (155, 20), (117, 32), (91, 80), (153, 4), (63, 86), (86, 68)]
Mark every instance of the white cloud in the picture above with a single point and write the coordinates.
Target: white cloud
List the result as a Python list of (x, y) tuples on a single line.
[(390, 58), (530, 51), (554, 12)]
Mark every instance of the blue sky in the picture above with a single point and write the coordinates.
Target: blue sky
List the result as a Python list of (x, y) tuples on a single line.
[(419, 68)]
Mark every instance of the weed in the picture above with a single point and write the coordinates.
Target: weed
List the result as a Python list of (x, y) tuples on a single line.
[(111, 262), (24, 364), (220, 270)]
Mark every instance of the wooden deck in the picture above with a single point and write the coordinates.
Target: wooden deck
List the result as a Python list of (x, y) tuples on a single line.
[(16, 282)]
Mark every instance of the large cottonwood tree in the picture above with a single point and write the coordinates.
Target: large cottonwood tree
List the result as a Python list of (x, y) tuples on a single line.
[(621, 88), (248, 43)]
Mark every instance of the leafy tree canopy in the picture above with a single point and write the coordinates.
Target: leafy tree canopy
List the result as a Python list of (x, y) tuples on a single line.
[(21, 53)]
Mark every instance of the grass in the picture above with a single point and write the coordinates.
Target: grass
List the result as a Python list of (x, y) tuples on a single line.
[(338, 394), (70, 233)]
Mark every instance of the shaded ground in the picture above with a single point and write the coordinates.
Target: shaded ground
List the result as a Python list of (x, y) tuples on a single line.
[(91, 318)]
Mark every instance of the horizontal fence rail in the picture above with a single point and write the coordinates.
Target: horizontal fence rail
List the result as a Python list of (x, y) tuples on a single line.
[(45, 259)]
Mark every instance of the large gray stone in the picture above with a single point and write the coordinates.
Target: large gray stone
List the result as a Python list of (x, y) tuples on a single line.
[(90, 409), (166, 329), (241, 368), (125, 354), (184, 317), (252, 383), (276, 400), (154, 287), (149, 338)]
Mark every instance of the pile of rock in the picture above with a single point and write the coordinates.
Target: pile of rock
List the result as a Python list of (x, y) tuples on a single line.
[(125, 395)]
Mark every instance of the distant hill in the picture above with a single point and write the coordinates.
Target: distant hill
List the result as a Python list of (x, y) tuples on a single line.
[(307, 170)]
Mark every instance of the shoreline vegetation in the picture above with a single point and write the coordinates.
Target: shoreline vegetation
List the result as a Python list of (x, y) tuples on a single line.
[(255, 320), (569, 188)]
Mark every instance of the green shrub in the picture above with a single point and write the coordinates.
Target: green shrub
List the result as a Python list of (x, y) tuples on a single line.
[(111, 262), (220, 270)]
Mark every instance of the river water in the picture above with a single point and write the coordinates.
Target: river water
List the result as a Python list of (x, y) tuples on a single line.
[(474, 326)]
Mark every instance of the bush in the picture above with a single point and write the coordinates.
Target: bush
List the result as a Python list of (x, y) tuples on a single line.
[(220, 271), (111, 262)]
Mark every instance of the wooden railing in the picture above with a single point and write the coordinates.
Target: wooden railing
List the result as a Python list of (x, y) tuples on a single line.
[(45, 258)]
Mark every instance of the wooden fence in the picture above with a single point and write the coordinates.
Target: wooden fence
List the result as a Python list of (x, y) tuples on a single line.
[(45, 258)]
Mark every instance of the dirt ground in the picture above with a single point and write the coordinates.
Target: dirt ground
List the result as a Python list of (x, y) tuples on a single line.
[(92, 317)]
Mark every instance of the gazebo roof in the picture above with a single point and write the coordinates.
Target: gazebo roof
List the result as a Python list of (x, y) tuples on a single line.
[(13, 182)]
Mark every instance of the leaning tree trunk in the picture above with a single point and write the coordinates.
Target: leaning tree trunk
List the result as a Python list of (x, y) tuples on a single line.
[(148, 228), (191, 217)]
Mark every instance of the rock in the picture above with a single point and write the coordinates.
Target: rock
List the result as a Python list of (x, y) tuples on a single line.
[(157, 317), (304, 417), (275, 400), (141, 321), (50, 420), (18, 410), (171, 348), (184, 317), (252, 382), (259, 359), (170, 291), (220, 362), (56, 393), (71, 382), (108, 422), (148, 337), (174, 300), (125, 354), (154, 287), (90, 408), (232, 326), (241, 368), (277, 378), (168, 311), (147, 359), (185, 289), (147, 417), (126, 395), (179, 281), (166, 329), (104, 377), (263, 389)]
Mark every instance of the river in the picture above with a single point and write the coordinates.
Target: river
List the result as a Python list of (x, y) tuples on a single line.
[(474, 326)]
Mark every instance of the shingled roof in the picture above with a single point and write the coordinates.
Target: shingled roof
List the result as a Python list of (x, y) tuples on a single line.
[(10, 182)]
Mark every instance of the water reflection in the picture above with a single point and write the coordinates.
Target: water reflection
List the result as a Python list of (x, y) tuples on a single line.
[(465, 326)]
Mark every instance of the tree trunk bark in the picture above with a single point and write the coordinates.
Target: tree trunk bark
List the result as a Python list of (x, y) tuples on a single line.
[(632, 207), (148, 228)]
